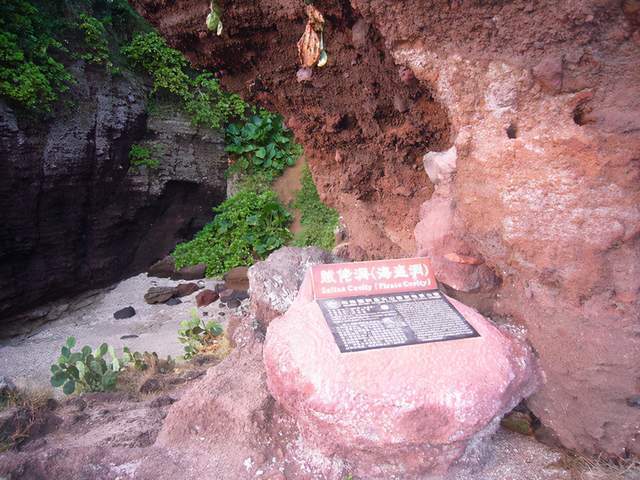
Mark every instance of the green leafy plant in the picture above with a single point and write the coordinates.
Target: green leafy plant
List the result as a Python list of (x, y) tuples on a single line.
[(247, 226), (261, 144), (120, 19), (147, 361), (196, 335), (31, 73), (86, 370), (137, 360), (318, 221), (165, 65), (95, 40), (201, 95), (140, 156), (209, 105)]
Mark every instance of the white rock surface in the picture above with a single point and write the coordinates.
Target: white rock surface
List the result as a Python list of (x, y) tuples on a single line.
[(440, 165)]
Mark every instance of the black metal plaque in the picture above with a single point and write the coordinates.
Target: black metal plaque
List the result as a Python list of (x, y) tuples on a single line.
[(393, 320)]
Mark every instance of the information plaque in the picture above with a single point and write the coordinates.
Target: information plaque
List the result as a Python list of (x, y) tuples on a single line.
[(389, 303)]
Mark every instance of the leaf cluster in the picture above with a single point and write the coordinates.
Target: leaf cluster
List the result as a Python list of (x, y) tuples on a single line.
[(196, 335), (38, 39), (318, 221), (96, 46), (140, 156), (201, 95), (31, 72), (86, 370), (261, 144), (247, 226), (147, 361)]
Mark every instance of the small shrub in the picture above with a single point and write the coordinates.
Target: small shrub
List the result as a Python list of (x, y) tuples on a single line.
[(202, 97), (140, 156), (147, 361), (139, 361), (261, 144), (165, 65), (198, 336), (95, 40), (247, 226), (86, 370), (209, 105), (318, 221)]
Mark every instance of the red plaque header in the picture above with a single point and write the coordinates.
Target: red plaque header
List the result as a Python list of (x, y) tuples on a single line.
[(372, 278)]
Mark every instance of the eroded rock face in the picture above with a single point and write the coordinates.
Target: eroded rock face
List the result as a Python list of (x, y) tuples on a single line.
[(546, 193), (394, 412), (541, 101), (75, 216), (275, 282)]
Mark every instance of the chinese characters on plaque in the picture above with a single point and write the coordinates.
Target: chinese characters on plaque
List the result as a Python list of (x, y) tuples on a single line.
[(385, 303)]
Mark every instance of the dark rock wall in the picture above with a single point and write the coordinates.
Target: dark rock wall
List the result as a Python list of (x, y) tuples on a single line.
[(74, 216)]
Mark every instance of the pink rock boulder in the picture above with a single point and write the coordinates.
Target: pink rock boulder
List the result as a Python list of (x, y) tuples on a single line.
[(401, 411)]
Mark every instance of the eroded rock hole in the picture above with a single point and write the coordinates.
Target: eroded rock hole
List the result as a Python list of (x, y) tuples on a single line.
[(580, 114), (512, 131)]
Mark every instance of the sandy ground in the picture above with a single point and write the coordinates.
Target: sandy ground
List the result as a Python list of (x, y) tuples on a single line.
[(27, 360)]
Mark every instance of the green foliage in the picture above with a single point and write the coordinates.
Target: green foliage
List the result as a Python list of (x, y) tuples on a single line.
[(31, 74), (196, 335), (209, 105), (317, 220), (140, 156), (247, 226), (255, 182), (120, 19), (202, 97), (165, 65), (146, 361), (95, 40), (86, 370), (262, 144), (138, 360)]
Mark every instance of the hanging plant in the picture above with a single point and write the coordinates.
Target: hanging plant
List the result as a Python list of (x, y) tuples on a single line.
[(214, 23), (311, 50)]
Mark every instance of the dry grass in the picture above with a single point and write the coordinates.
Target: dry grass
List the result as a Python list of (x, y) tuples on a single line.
[(600, 468), (218, 347), (25, 408), (163, 369)]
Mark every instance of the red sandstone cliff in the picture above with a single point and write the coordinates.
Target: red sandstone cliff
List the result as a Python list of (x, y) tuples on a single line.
[(541, 101)]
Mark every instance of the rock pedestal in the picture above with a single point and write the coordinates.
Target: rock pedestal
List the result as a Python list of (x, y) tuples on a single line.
[(394, 411)]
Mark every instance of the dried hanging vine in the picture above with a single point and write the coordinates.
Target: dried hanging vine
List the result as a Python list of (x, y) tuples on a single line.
[(214, 22), (311, 50)]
